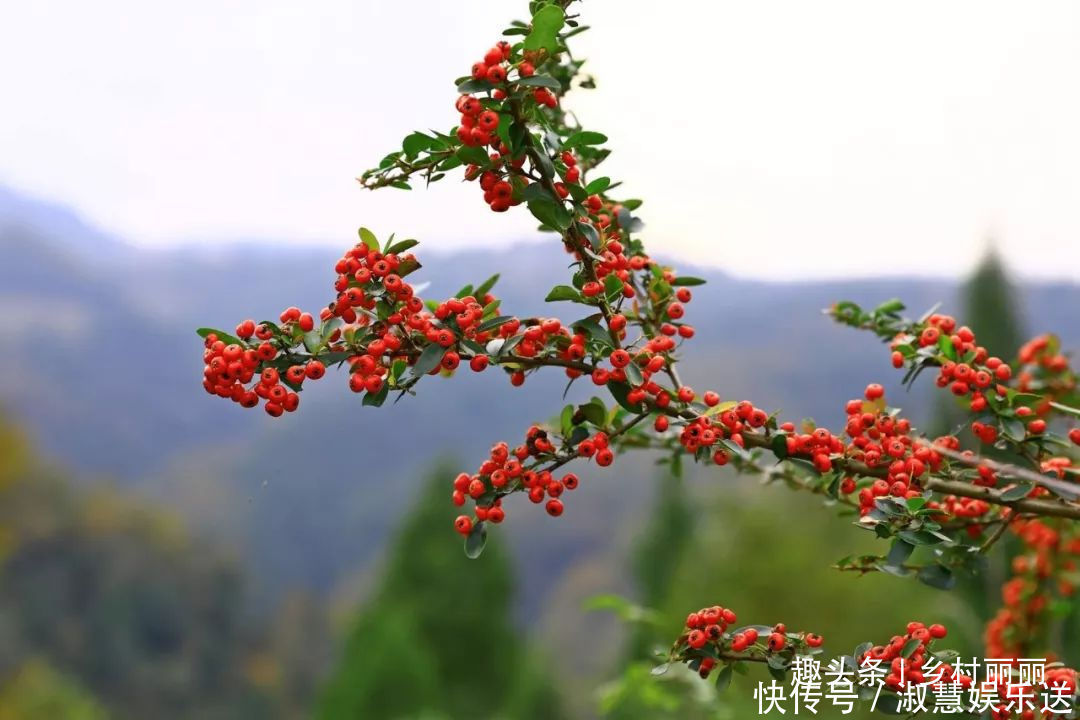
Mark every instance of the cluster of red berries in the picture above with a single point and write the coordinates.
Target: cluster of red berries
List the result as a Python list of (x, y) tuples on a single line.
[(1045, 370), (495, 67), (229, 367), (503, 182), (975, 374), (1042, 352), (705, 431), (879, 438), (1048, 552), (1057, 683), (384, 322), (505, 471), (708, 628), (902, 670), (613, 258)]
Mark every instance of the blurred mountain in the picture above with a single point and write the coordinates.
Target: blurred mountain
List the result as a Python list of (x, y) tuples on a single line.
[(103, 366)]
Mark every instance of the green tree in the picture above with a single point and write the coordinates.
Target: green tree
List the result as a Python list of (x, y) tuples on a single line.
[(118, 599), (437, 638), (657, 554), (990, 309), (37, 692)]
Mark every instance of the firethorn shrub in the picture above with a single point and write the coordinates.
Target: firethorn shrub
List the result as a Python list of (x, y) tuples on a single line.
[(939, 502)]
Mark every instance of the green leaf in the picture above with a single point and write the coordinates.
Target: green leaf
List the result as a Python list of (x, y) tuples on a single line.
[(591, 326), (889, 705), (546, 24), (660, 669), (564, 292), (550, 212), (1017, 492), (899, 552), (686, 280), (476, 540), (221, 335), (612, 287), (633, 375), (494, 322), (1013, 429), (540, 81), (1065, 408), (915, 503), (483, 288), (619, 391), (889, 307), (472, 155), (510, 344), (946, 347), (472, 86), (416, 143), (378, 398), (566, 420), (429, 360), (401, 246), (313, 341), (910, 647), (937, 576), (369, 239), (608, 602), (919, 537), (595, 412), (779, 446), (598, 185), (584, 137), (589, 233), (723, 678)]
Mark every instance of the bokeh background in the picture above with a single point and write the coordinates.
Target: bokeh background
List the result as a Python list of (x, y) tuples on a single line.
[(166, 555)]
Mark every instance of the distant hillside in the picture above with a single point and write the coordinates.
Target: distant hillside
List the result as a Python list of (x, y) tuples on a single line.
[(102, 364)]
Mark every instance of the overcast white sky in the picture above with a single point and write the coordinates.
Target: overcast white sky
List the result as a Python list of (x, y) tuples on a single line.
[(769, 138)]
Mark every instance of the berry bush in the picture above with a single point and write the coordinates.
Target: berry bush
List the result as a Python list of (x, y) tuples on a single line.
[(950, 498)]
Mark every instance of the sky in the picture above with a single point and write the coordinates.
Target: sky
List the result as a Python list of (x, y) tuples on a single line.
[(769, 138)]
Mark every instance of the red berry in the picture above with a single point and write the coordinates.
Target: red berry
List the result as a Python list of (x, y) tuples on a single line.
[(315, 370), (488, 120), (554, 507), (463, 524), (620, 358)]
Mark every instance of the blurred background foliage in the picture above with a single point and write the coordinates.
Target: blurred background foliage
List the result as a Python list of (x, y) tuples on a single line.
[(165, 556)]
